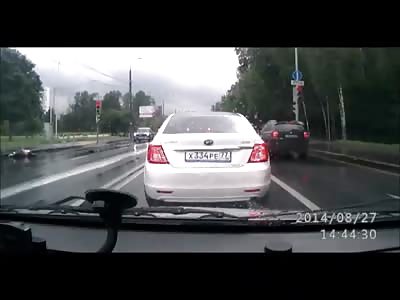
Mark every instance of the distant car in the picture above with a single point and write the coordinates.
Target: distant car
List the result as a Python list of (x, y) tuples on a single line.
[(143, 134), (206, 157), (286, 137)]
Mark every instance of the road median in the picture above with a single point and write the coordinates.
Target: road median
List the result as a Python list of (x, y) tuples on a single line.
[(382, 157), (87, 145)]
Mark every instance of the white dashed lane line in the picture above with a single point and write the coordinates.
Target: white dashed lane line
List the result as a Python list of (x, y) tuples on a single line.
[(29, 185), (128, 180), (121, 177), (308, 203), (79, 157)]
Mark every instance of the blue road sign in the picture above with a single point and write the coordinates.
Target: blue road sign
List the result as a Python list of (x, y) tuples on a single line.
[(297, 75)]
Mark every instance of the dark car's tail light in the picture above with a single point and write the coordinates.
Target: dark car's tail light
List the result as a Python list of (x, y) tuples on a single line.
[(259, 153), (275, 134), (306, 134), (156, 155)]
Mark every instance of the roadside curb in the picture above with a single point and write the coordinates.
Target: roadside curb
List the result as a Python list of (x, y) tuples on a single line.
[(45, 149), (357, 160), (91, 148)]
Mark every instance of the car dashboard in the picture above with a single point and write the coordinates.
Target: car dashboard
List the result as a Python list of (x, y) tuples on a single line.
[(88, 239)]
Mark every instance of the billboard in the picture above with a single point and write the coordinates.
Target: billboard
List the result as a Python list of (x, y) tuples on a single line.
[(146, 111)]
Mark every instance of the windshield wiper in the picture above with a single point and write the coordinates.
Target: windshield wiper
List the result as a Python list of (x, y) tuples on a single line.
[(57, 207), (151, 211), (63, 209)]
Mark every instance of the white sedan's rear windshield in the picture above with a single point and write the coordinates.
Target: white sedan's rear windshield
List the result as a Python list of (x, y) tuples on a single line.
[(143, 130), (204, 124)]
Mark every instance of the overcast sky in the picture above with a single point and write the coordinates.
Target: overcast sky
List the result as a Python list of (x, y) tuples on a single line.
[(185, 78)]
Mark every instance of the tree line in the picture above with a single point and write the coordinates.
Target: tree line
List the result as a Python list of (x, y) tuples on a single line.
[(21, 94), (116, 116), (368, 78), (21, 97)]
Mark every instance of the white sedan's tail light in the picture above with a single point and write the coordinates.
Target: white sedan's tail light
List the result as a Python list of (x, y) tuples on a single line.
[(156, 155), (259, 153)]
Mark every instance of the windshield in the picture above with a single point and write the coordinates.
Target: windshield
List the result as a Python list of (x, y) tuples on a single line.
[(143, 130), (222, 123), (288, 127), (203, 124)]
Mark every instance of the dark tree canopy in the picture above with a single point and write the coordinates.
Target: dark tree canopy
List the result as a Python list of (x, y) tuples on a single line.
[(368, 77), (21, 91)]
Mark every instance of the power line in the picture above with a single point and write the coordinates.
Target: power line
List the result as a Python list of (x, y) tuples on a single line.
[(101, 73), (94, 70), (116, 85)]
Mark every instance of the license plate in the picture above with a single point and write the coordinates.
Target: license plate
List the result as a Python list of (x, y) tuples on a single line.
[(208, 156), (291, 136)]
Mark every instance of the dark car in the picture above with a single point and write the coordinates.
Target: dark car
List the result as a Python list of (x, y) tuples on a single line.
[(143, 134), (286, 137)]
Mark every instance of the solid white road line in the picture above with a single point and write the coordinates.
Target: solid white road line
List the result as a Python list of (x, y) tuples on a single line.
[(355, 165), (354, 157), (295, 194), (121, 177), (78, 202), (127, 180), (19, 188), (79, 157)]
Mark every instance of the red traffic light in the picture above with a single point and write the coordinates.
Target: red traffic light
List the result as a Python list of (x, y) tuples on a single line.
[(299, 88), (98, 103)]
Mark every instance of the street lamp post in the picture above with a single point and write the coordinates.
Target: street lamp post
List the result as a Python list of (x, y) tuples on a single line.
[(52, 106), (295, 99), (131, 101)]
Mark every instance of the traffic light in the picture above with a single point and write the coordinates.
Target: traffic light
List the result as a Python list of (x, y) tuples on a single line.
[(299, 90), (295, 108), (98, 110)]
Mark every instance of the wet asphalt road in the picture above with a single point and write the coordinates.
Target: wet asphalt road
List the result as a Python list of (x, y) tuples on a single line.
[(297, 184)]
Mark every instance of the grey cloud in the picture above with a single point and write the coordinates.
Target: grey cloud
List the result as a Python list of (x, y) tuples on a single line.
[(160, 88)]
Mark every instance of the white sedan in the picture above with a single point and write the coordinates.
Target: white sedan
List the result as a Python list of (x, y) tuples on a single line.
[(206, 157)]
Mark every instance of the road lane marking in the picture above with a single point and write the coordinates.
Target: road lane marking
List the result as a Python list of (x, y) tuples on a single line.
[(78, 202), (79, 157), (355, 165), (25, 186), (359, 158), (129, 179), (393, 196), (121, 177), (308, 203)]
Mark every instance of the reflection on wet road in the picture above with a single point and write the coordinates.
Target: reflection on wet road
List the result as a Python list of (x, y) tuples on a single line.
[(296, 184)]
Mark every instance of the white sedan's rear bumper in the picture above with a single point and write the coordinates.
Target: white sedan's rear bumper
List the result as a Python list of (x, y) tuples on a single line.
[(164, 182)]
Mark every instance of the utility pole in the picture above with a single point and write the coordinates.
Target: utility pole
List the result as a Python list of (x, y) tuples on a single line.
[(130, 91), (305, 114), (324, 116), (295, 98), (342, 113), (329, 118), (55, 113), (163, 108), (51, 110), (130, 104)]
